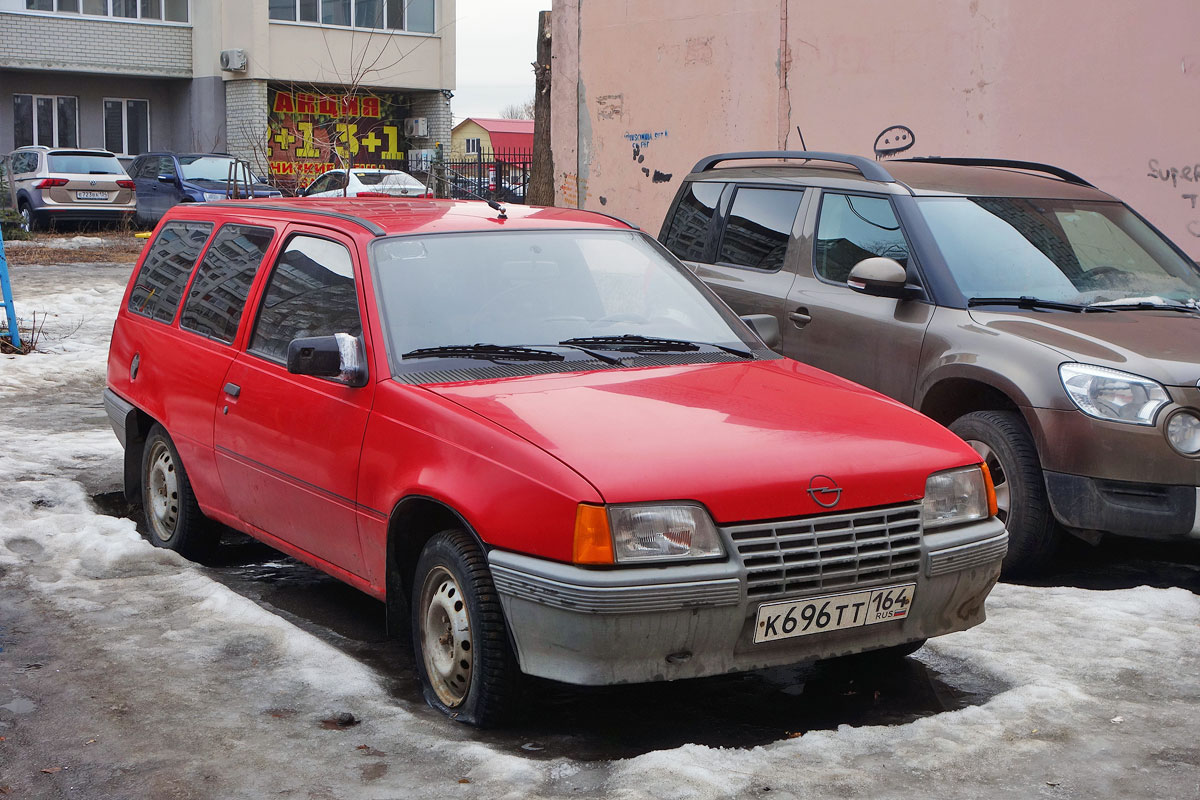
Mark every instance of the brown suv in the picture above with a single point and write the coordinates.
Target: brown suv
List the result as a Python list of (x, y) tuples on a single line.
[(51, 184), (1040, 318)]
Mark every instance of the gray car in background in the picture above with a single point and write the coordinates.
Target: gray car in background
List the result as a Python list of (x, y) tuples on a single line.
[(1037, 316), (51, 184)]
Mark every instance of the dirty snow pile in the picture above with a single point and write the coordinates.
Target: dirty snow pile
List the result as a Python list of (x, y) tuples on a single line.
[(58, 242), (1103, 688)]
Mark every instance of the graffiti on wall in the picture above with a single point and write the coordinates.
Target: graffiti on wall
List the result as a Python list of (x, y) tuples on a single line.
[(893, 141), (1179, 177), (570, 187), (640, 142)]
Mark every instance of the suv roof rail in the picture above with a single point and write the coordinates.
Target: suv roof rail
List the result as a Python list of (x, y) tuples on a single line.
[(1032, 166), (366, 224), (871, 170)]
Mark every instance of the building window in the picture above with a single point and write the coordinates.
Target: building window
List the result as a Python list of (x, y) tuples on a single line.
[(396, 15), (473, 145), (126, 126), (46, 120), (166, 10)]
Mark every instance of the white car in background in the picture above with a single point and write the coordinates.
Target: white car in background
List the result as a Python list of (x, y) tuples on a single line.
[(366, 182)]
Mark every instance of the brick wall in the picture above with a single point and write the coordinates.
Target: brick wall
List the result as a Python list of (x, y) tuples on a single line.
[(436, 109), (94, 45), (246, 121)]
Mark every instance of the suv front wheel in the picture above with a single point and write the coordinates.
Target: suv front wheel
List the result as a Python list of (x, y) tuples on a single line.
[(1003, 441)]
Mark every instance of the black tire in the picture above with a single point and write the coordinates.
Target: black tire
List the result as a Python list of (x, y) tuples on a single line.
[(460, 641), (1004, 440), (29, 222), (172, 514)]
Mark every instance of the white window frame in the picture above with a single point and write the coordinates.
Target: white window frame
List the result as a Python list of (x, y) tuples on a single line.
[(54, 120), (107, 15), (474, 145), (354, 15), (124, 101)]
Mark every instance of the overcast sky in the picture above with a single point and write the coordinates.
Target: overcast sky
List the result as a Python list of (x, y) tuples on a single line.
[(497, 43)]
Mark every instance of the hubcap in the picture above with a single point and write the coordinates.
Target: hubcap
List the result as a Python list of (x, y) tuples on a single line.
[(999, 477), (163, 483), (26, 218), (446, 645)]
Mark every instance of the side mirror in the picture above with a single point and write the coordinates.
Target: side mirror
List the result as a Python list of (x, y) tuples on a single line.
[(339, 357), (883, 277), (166, 179), (767, 328)]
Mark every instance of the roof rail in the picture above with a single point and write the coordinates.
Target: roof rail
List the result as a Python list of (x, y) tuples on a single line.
[(1032, 166), (871, 170), (371, 227)]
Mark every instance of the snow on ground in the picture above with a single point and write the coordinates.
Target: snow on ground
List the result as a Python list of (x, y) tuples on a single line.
[(1102, 697)]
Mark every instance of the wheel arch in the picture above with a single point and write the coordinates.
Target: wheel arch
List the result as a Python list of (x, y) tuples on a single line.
[(137, 427)]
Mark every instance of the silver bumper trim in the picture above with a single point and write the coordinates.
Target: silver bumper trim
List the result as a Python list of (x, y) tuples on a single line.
[(967, 556), (522, 585)]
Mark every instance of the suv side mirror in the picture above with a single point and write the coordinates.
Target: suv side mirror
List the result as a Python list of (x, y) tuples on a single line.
[(767, 328), (883, 277), (166, 179), (339, 357)]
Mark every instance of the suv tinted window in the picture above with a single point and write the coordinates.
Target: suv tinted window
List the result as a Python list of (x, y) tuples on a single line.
[(218, 294), (689, 227), (24, 162), (164, 273), (311, 293), (853, 227), (85, 164), (759, 227)]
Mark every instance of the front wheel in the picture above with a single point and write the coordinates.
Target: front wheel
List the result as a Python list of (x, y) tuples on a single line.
[(172, 513), (1005, 444), (464, 661)]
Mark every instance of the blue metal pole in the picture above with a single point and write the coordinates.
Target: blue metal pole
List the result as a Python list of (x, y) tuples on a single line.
[(10, 313)]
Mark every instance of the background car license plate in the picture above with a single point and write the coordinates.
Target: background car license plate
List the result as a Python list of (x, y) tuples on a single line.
[(91, 195), (791, 618)]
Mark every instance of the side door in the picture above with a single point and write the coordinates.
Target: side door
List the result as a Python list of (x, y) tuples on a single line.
[(745, 255), (158, 189), (287, 446), (875, 341)]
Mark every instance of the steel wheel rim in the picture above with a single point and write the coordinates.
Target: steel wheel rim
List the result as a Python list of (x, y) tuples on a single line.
[(999, 477), (163, 482), (446, 643)]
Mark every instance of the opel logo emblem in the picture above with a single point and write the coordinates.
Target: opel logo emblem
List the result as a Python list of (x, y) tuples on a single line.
[(824, 491)]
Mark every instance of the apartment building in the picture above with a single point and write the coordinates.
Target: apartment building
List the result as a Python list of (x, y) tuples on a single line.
[(294, 86)]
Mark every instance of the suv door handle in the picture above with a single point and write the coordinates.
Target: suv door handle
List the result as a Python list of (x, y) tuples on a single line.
[(800, 317), (232, 389)]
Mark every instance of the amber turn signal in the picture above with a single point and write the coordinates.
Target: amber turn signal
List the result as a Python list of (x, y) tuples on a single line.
[(593, 541), (991, 490)]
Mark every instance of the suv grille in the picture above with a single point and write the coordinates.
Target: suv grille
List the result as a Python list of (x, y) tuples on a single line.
[(834, 551)]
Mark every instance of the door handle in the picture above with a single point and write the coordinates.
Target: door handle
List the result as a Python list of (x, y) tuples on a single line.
[(800, 317), (232, 389)]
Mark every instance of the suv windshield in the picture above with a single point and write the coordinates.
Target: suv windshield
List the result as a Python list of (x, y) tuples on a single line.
[(1071, 251), (212, 168), (537, 288), (84, 164)]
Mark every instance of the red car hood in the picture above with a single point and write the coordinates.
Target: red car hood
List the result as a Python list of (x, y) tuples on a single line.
[(745, 439)]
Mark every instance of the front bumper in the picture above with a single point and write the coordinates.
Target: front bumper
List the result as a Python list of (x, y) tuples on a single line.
[(634, 625), (1126, 508)]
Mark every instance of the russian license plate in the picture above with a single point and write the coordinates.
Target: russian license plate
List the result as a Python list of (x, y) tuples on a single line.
[(91, 195), (790, 618)]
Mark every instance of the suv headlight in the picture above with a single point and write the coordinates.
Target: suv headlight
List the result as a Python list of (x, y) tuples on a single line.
[(642, 533), (958, 495), (1113, 395), (210, 196)]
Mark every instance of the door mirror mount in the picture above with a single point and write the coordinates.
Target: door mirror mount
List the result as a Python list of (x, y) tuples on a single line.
[(767, 328), (339, 357), (880, 276)]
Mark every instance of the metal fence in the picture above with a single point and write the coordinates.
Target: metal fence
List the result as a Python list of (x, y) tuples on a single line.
[(492, 175)]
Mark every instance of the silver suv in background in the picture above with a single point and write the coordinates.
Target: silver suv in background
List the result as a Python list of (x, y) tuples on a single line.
[(50, 184)]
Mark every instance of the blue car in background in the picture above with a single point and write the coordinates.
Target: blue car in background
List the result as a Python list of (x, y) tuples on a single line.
[(165, 179)]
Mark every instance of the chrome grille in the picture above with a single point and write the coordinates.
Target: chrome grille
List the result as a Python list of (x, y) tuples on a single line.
[(831, 551)]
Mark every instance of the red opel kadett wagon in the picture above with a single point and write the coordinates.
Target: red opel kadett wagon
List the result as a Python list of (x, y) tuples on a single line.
[(539, 439)]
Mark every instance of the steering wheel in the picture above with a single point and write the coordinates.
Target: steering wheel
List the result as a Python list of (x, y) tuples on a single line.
[(1104, 275)]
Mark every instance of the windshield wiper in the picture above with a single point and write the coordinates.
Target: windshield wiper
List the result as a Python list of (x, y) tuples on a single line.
[(1032, 303), (491, 352), (650, 344), (1144, 305)]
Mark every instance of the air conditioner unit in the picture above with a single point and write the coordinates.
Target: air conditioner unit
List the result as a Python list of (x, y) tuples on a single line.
[(416, 126), (234, 60)]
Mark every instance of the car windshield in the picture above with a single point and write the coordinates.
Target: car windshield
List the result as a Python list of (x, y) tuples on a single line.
[(386, 178), (1070, 251), (537, 288), (212, 168), (85, 164)]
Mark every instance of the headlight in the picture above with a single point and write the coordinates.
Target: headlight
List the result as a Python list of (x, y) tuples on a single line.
[(1183, 432), (634, 534), (214, 196), (1113, 395), (958, 495)]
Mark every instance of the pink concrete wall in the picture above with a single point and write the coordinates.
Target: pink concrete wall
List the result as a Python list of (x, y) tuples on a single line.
[(1106, 88)]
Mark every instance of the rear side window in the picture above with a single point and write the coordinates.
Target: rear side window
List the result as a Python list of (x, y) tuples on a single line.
[(688, 234), (159, 285), (218, 294), (310, 293), (759, 228), (852, 228)]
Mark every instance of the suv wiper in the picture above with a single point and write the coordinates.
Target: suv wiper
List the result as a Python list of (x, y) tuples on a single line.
[(649, 344), (1031, 303), (491, 352), (1144, 305)]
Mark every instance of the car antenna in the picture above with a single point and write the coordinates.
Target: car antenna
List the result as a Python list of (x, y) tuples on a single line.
[(491, 203)]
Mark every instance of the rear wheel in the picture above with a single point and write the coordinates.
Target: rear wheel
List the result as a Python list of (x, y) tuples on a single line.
[(1005, 444), (172, 514), (463, 657), (28, 223)]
